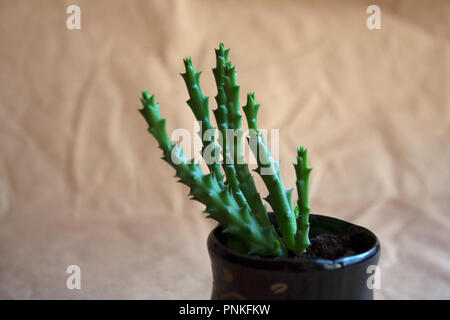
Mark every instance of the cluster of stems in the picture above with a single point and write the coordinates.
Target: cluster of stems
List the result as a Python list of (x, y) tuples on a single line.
[(231, 197)]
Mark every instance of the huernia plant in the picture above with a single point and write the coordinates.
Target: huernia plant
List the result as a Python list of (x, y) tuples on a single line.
[(231, 197)]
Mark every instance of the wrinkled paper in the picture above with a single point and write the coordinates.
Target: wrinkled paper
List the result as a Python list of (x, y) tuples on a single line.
[(82, 182)]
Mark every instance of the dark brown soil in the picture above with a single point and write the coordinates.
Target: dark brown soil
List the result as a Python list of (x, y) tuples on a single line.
[(330, 246)]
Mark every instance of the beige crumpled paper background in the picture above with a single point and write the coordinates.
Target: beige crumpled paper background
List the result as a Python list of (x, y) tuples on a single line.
[(82, 182)]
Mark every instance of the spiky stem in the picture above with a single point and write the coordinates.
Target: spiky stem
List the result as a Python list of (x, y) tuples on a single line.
[(230, 171), (302, 172), (221, 206), (228, 99), (200, 108), (199, 105), (279, 198)]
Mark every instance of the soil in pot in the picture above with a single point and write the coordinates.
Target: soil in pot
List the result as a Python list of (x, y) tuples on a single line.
[(329, 246)]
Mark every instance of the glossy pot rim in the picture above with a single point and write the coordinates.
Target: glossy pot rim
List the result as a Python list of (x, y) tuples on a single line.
[(319, 224)]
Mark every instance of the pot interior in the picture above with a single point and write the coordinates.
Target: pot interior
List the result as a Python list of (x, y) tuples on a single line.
[(364, 243)]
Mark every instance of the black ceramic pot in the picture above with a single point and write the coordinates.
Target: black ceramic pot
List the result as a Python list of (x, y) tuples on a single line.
[(237, 276)]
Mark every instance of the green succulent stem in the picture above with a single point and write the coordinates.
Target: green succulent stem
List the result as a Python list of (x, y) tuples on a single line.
[(302, 172), (228, 102), (199, 105), (230, 171), (279, 198), (220, 205)]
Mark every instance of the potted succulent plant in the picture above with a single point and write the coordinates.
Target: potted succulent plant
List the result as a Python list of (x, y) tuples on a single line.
[(256, 254)]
